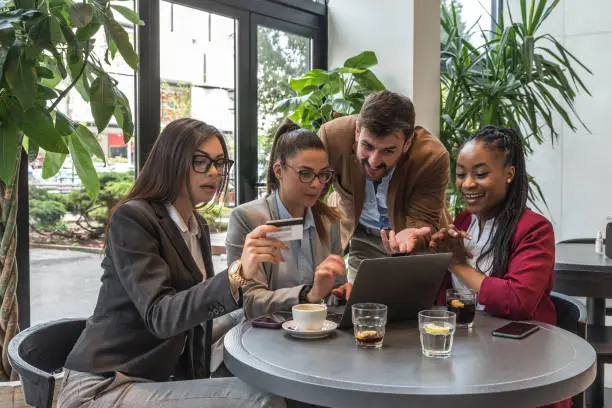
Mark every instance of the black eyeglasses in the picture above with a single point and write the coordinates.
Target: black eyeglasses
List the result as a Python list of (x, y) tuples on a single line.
[(307, 175), (201, 164)]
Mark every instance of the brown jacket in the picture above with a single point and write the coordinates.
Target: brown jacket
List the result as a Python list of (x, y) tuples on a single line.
[(416, 190)]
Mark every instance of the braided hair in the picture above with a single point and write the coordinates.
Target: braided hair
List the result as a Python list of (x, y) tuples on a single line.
[(507, 142)]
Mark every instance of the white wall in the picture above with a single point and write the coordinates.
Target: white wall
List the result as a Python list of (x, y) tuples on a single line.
[(576, 175), (405, 34)]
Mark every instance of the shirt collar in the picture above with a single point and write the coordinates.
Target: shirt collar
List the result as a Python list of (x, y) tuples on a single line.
[(193, 227), (283, 213), (386, 179)]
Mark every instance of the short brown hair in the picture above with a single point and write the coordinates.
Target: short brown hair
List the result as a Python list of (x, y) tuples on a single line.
[(386, 112)]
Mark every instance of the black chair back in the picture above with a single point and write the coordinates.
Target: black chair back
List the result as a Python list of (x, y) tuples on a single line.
[(39, 351), (571, 316), (578, 241)]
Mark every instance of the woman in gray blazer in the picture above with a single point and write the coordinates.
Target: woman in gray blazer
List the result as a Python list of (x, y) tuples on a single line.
[(298, 175), (159, 294)]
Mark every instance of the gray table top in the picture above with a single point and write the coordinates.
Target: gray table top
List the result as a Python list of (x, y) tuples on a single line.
[(483, 371), (581, 257), (579, 271)]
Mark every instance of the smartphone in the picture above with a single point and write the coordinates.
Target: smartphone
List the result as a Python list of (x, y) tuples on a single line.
[(516, 330), (272, 320), (290, 229)]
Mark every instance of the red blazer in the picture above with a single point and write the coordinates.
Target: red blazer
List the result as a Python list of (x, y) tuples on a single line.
[(524, 292)]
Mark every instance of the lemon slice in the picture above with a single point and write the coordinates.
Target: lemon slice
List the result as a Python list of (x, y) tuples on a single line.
[(432, 328), (456, 303)]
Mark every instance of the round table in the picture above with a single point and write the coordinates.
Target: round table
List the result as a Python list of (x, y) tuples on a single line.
[(483, 371)]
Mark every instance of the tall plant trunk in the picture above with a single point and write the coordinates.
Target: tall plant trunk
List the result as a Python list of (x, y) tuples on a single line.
[(9, 325)]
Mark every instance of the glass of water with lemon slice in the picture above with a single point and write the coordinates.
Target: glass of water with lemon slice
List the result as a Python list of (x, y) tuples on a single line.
[(437, 328)]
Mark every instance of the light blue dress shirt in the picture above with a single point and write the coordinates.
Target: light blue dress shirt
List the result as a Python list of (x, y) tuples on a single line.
[(299, 261), (374, 213)]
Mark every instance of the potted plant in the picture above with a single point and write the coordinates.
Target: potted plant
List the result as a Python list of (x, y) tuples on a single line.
[(46, 50), (324, 95), (518, 77)]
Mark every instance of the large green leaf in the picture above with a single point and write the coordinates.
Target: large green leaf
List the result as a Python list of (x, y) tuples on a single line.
[(82, 85), (102, 101), (128, 13), (369, 81), (63, 125), (19, 75), (52, 164), (9, 142), (85, 33), (122, 40), (45, 93), (84, 166), (89, 142), (81, 14), (38, 126), (123, 115), (364, 60)]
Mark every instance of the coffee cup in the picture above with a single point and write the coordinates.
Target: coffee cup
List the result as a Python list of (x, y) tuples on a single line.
[(309, 317)]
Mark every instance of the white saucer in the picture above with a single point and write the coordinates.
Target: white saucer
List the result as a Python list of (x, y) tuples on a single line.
[(328, 327)]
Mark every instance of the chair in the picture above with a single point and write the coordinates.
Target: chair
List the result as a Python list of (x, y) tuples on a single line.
[(572, 316), (40, 351)]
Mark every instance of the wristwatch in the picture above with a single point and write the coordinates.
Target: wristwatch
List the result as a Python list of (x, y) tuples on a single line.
[(302, 298), (235, 272)]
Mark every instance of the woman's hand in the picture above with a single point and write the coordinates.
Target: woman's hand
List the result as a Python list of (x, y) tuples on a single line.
[(258, 249), (404, 241), (450, 239), (343, 291), (325, 278)]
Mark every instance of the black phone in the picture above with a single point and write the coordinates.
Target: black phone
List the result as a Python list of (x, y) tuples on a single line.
[(516, 330), (272, 320)]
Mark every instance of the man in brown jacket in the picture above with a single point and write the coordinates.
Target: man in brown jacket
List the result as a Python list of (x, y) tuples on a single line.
[(390, 175)]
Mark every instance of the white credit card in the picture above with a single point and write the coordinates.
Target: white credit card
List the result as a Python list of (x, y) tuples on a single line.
[(290, 229)]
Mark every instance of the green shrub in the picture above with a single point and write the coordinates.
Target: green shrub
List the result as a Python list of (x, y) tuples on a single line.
[(47, 213)]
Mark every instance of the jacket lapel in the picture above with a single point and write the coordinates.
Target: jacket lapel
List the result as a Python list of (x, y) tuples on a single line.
[(359, 181), (178, 242), (205, 246), (270, 268), (319, 251)]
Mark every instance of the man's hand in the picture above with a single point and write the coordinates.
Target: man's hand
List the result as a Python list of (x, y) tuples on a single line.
[(343, 291), (258, 249), (325, 278), (404, 241)]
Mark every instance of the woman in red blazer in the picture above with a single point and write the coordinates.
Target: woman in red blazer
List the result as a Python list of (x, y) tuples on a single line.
[(501, 249)]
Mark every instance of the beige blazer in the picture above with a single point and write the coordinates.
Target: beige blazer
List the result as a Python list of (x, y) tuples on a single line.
[(272, 295), (417, 188)]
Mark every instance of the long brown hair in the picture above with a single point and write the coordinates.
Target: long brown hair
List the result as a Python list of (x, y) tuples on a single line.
[(289, 140), (167, 168)]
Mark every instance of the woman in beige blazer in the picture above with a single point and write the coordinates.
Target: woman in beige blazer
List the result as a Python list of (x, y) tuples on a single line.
[(298, 176)]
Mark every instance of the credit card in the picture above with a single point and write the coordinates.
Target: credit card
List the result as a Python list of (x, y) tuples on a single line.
[(290, 229)]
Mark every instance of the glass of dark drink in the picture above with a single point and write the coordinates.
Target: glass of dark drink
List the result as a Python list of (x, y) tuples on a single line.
[(463, 303), (369, 321)]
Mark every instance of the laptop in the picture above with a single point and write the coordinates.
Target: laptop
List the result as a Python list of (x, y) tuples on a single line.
[(406, 284)]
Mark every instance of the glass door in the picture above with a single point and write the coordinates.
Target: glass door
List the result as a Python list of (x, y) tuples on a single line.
[(281, 55), (197, 80)]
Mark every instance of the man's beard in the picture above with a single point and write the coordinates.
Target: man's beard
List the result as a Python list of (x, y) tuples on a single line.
[(381, 166)]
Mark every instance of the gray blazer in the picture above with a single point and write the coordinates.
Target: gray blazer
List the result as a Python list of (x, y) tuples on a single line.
[(272, 295), (148, 319)]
